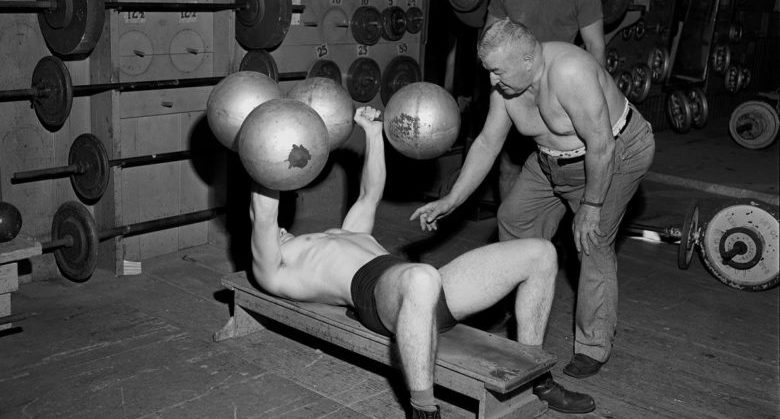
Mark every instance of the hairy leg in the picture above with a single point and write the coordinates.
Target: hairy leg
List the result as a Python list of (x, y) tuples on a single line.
[(406, 298), (479, 278)]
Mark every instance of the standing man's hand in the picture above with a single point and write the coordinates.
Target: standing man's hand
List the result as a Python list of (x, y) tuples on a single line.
[(586, 228), (431, 212)]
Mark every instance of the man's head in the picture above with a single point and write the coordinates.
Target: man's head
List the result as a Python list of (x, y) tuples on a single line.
[(508, 51)]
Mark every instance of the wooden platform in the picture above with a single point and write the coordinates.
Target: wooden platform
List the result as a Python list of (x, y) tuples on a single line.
[(491, 369)]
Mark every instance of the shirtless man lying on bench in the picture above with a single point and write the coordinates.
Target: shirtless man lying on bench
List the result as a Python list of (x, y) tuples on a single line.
[(411, 301)]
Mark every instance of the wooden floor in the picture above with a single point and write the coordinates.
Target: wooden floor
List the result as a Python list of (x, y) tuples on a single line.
[(140, 346)]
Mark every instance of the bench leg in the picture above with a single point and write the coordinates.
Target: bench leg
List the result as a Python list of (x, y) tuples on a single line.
[(240, 324), (520, 403)]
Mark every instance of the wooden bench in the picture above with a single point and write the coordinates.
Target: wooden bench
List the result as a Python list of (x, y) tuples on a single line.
[(489, 368)]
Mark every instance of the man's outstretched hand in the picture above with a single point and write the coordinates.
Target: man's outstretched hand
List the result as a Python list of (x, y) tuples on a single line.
[(431, 212)]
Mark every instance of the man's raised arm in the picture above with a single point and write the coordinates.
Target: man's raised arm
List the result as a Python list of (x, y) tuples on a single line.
[(266, 254), (361, 215)]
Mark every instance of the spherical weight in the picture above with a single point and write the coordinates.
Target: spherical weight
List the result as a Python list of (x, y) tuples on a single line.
[(283, 144), (10, 221), (233, 98), (422, 120), (332, 102)]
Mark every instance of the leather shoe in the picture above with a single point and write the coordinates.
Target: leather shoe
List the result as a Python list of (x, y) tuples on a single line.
[(582, 366), (424, 414), (560, 399)]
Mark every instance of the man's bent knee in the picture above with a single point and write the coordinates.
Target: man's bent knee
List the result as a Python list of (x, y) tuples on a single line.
[(420, 283)]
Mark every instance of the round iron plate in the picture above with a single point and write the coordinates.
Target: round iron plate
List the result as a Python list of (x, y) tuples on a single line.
[(399, 72), (263, 24), (363, 79), (366, 25), (260, 61), (52, 108), (73, 28), (89, 155), (77, 261), (326, 68)]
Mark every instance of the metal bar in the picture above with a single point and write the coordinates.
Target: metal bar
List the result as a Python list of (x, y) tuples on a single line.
[(293, 75), (66, 241), (135, 6), (161, 224), (26, 6), (144, 85), (51, 172), (152, 158), (18, 94)]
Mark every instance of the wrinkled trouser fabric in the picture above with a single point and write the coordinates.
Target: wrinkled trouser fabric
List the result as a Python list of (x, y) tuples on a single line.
[(537, 202)]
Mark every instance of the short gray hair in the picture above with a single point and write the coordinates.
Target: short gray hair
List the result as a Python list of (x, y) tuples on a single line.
[(506, 32)]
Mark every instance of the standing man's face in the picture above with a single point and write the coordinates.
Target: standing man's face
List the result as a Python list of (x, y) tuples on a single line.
[(509, 73)]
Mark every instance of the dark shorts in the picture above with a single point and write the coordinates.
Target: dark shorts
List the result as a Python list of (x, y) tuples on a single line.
[(362, 289)]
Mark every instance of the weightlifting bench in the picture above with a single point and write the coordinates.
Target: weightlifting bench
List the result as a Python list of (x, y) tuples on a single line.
[(491, 369)]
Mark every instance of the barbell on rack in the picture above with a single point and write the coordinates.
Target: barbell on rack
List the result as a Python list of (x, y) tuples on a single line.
[(71, 28), (51, 90), (75, 237), (89, 167), (739, 244)]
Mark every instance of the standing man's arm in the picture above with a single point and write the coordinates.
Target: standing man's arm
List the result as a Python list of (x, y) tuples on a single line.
[(593, 37), (590, 18), (266, 253), (479, 160), (577, 88), (360, 217)]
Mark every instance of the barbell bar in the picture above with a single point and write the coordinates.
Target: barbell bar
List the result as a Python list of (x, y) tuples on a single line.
[(72, 27), (51, 90), (75, 237), (89, 167)]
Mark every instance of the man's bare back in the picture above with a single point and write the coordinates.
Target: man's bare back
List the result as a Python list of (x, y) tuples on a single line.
[(323, 264), (541, 116)]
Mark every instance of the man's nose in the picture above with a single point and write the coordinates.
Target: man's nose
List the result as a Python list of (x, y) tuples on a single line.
[(494, 79)]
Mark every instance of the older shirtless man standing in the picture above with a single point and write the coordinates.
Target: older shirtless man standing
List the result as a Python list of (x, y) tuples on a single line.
[(594, 148)]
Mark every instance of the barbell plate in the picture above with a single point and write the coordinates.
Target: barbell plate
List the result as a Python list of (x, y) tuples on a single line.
[(689, 237), (260, 61), (77, 261), (728, 221), (326, 68), (73, 29), (721, 58), (53, 108), (366, 25), (731, 79), (88, 153), (678, 109), (699, 106), (754, 124), (659, 63), (641, 77), (363, 79), (624, 82), (263, 23), (399, 72), (613, 60), (393, 23), (414, 20)]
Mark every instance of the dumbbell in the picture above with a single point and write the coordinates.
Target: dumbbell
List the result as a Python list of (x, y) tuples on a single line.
[(75, 237)]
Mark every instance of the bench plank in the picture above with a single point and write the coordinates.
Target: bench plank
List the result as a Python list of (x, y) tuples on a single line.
[(490, 361)]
